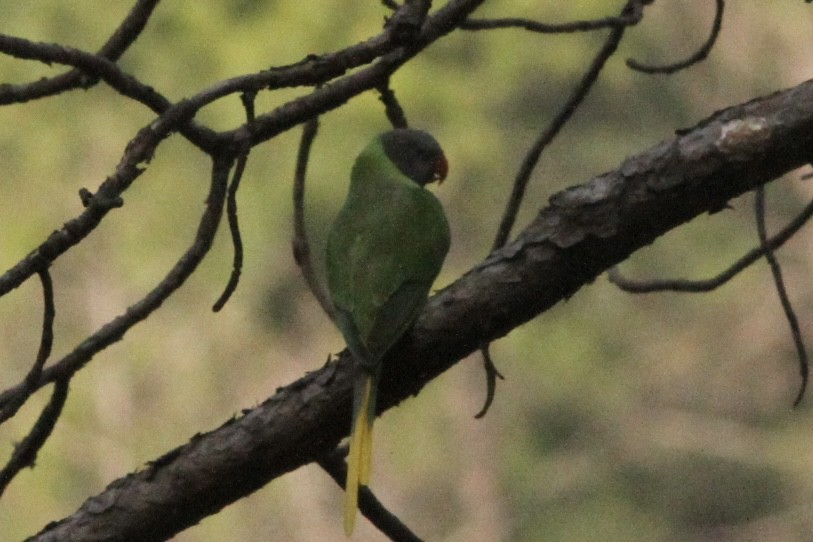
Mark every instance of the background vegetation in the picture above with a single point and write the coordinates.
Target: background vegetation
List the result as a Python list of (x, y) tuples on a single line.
[(658, 417)]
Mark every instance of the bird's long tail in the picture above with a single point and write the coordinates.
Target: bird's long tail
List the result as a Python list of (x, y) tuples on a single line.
[(359, 459)]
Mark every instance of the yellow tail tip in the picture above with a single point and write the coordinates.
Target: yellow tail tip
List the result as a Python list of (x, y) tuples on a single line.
[(359, 459), (349, 521)]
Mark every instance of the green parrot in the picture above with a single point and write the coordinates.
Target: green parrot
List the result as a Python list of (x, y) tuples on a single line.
[(384, 251)]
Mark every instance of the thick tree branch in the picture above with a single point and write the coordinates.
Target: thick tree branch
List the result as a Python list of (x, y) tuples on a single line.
[(583, 231)]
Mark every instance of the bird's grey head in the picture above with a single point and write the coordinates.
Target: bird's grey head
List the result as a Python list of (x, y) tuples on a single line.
[(416, 153)]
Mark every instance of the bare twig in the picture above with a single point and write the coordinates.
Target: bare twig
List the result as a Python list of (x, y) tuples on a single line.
[(119, 42), (787, 307), (247, 98), (300, 243), (99, 67), (115, 329), (492, 374), (386, 522), (25, 452), (47, 337), (46, 342), (696, 57), (626, 19), (395, 113), (706, 285), (634, 14)]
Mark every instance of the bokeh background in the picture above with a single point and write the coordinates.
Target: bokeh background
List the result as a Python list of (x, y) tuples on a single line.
[(659, 417)]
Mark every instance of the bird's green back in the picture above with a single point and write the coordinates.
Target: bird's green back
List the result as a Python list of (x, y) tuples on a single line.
[(384, 251)]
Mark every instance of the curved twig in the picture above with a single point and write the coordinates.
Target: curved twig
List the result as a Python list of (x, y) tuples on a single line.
[(549, 28), (698, 56), (46, 342), (121, 39), (107, 70), (25, 452), (707, 285), (115, 329), (564, 115), (300, 243), (247, 99), (787, 306), (492, 374)]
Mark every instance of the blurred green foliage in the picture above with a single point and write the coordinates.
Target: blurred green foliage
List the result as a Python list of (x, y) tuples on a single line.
[(660, 417)]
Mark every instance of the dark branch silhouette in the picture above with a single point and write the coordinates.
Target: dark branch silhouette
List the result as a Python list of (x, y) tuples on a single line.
[(633, 11), (231, 211), (698, 56), (119, 42), (640, 286), (395, 113), (301, 244), (25, 452), (625, 19), (781, 290)]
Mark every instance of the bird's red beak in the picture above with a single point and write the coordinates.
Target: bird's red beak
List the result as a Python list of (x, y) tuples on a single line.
[(441, 169)]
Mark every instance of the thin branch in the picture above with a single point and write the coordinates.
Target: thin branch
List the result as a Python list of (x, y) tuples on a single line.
[(395, 113), (386, 522), (47, 337), (550, 28), (300, 244), (25, 452), (129, 29), (311, 71), (115, 329), (787, 307), (124, 36), (707, 285), (698, 56), (46, 342), (631, 11), (139, 150), (492, 374), (99, 67), (247, 99)]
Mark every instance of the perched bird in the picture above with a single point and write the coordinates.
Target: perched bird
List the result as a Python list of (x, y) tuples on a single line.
[(384, 251)]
